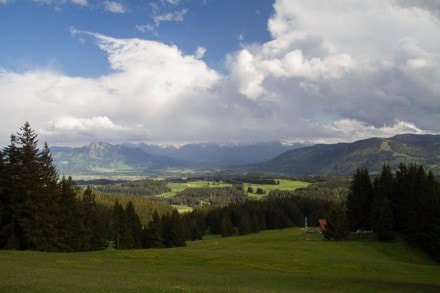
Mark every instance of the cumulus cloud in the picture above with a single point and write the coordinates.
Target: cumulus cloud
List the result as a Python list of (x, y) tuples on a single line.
[(333, 71), (373, 62)]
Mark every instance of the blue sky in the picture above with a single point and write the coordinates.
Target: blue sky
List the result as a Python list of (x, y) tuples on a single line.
[(39, 32), (177, 71)]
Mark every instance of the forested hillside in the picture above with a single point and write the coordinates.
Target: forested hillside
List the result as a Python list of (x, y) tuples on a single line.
[(343, 159)]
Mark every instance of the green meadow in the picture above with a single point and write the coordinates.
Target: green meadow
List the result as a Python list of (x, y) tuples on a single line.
[(285, 184), (270, 261), (177, 186)]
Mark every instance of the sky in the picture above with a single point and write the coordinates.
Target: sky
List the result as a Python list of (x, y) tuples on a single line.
[(181, 71)]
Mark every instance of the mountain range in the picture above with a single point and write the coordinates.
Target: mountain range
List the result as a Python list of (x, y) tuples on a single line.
[(103, 159), (344, 158)]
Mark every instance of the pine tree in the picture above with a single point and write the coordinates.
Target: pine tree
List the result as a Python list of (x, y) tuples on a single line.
[(384, 225), (153, 234), (119, 226), (383, 219), (226, 227), (134, 226), (360, 201), (36, 214), (173, 233), (337, 225), (70, 228)]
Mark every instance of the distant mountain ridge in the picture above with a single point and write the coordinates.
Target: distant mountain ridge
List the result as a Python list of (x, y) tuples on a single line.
[(341, 159), (103, 159), (344, 158), (209, 155)]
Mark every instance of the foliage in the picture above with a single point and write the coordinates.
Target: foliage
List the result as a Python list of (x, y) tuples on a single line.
[(406, 202), (144, 187), (337, 224), (342, 159)]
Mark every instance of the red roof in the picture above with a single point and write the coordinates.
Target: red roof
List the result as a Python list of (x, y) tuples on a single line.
[(322, 224)]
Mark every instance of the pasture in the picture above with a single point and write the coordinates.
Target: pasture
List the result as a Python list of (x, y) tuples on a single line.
[(270, 261)]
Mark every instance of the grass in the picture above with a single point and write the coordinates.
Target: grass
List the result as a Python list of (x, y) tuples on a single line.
[(285, 184), (176, 187), (270, 261)]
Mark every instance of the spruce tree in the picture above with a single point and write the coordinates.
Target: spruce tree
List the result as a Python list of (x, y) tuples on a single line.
[(35, 208), (337, 226), (119, 226), (153, 234), (173, 233), (384, 225), (383, 219), (360, 201), (134, 226), (70, 228)]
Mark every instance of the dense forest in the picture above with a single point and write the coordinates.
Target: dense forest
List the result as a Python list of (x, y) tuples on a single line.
[(406, 202), (40, 211)]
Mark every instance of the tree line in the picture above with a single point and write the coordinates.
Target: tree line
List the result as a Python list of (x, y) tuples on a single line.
[(406, 202), (40, 212)]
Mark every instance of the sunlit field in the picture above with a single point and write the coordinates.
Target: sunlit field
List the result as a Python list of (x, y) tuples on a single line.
[(270, 261)]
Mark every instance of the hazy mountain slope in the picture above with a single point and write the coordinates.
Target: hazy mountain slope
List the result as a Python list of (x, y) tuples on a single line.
[(103, 158), (211, 155), (345, 158)]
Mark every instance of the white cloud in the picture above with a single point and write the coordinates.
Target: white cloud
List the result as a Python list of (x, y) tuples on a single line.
[(161, 13), (58, 3), (80, 2), (170, 16), (4, 2), (115, 7), (333, 71), (200, 52), (371, 62)]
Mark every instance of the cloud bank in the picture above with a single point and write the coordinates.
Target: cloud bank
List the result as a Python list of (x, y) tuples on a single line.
[(336, 71)]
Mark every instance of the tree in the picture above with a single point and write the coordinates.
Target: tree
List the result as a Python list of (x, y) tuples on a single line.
[(383, 219), (153, 234), (134, 227), (173, 233), (119, 226), (337, 225), (32, 190), (359, 201), (384, 225), (226, 227)]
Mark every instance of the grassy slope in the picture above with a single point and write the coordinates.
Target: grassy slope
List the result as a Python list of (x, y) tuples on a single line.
[(271, 261)]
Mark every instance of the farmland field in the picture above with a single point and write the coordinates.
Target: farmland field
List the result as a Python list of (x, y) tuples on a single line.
[(285, 184), (270, 261)]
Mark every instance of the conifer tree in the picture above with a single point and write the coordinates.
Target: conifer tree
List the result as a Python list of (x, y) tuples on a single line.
[(384, 224), (70, 229), (94, 232), (337, 225), (153, 234), (119, 226), (173, 233), (226, 226), (383, 219), (360, 201), (35, 209), (134, 226)]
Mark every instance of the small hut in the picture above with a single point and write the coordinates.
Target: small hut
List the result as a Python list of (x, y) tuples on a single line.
[(322, 224)]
